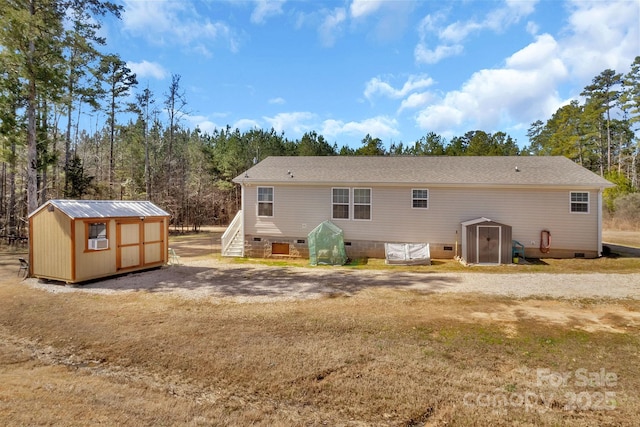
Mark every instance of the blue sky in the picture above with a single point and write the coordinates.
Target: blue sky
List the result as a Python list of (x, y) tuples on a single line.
[(394, 69)]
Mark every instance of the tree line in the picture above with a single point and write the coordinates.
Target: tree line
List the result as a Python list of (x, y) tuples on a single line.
[(53, 69)]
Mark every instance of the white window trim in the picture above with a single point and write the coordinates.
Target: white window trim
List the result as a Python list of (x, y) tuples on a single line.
[(348, 204), (273, 202), (588, 203), (370, 204), (412, 198)]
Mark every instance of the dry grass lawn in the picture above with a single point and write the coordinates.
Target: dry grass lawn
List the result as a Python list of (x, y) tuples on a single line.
[(620, 237), (379, 357)]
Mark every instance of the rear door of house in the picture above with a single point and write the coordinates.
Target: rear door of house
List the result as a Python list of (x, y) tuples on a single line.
[(488, 244)]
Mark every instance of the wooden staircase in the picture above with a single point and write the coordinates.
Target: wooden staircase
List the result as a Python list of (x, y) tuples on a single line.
[(233, 239)]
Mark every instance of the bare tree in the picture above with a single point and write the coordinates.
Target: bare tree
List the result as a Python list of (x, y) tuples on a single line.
[(175, 102)]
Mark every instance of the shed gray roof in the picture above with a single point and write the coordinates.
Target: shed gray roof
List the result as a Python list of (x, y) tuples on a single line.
[(436, 170), (105, 208)]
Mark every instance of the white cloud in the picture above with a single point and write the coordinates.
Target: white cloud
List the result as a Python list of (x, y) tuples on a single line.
[(175, 23), (522, 7), (381, 20), (598, 35), (277, 101), (246, 124), (522, 91), (148, 69), (440, 118), (425, 55), (451, 37), (140, 16), (266, 9), (601, 35), (532, 28), (360, 8), (295, 123), (430, 24), (514, 11), (201, 122), (331, 26), (377, 127), (544, 49), (459, 31), (378, 86), (207, 126), (415, 100), (496, 20)]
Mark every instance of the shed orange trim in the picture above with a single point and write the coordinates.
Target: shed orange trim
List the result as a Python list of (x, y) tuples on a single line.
[(30, 247), (73, 250)]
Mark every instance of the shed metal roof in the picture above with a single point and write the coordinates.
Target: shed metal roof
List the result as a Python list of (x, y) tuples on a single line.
[(434, 170), (104, 208), (476, 221)]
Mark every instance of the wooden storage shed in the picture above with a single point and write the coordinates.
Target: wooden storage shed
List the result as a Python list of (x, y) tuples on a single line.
[(77, 240), (486, 242)]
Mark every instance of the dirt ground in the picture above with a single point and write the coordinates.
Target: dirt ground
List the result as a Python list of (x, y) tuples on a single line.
[(212, 342), (628, 239), (202, 275)]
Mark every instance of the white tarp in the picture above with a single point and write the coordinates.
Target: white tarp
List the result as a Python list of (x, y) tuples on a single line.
[(407, 253)]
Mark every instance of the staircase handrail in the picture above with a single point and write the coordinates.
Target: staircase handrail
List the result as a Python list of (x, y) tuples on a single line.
[(231, 231)]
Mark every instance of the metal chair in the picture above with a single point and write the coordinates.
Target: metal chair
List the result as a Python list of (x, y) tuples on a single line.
[(24, 266), (174, 259), (517, 249)]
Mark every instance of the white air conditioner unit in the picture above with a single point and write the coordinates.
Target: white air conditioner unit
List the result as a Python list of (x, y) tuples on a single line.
[(98, 244)]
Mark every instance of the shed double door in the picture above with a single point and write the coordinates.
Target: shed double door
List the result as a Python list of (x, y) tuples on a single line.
[(488, 249), (138, 243)]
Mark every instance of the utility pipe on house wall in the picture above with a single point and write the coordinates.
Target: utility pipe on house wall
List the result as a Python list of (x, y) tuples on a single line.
[(545, 247)]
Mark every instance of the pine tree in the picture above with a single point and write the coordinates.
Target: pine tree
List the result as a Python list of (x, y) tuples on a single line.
[(119, 79), (630, 103), (603, 95), (32, 36)]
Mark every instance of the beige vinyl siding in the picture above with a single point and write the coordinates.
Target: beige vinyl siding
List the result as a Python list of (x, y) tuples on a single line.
[(297, 211), (528, 211), (51, 247)]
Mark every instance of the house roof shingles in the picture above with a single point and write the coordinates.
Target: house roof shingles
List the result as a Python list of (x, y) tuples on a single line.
[(433, 170), (105, 208)]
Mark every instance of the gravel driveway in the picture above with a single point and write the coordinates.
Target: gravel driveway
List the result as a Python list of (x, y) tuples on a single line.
[(258, 283)]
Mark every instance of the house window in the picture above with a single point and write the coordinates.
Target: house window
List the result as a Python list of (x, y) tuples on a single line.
[(265, 201), (420, 198), (579, 202), (340, 203), (361, 203)]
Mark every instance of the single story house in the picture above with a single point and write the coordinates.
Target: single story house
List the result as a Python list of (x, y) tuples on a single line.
[(550, 204), (78, 240)]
